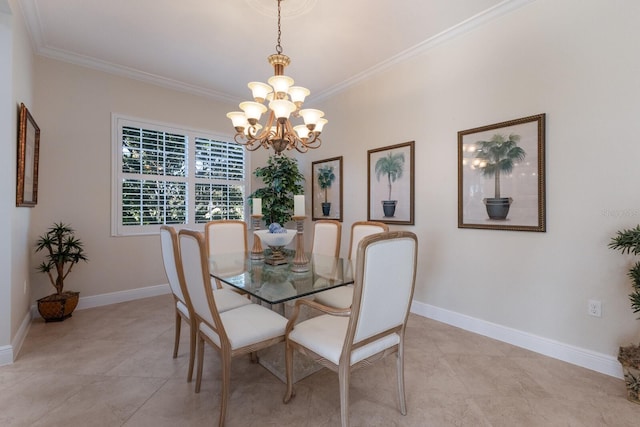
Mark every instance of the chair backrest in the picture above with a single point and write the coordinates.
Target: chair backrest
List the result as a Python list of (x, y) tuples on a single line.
[(194, 272), (326, 237), (385, 280), (226, 236), (362, 229), (171, 258)]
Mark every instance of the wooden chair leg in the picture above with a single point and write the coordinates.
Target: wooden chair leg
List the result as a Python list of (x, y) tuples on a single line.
[(343, 378), (176, 341), (192, 349), (226, 384), (288, 362), (400, 369), (199, 366)]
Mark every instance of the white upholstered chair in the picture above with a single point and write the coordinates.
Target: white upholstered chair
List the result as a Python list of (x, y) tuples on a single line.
[(170, 258), (227, 299), (341, 297), (326, 237), (225, 236), (243, 330), (374, 326)]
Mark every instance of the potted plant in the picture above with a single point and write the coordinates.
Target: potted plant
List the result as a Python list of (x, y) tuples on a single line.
[(628, 241), (63, 251), (325, 179), (282, 180), (391, 165), (498, 156)]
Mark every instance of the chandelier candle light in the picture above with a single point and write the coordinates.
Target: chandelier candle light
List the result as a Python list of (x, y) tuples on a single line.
[(300, 260), (256, 216), (284, 100)]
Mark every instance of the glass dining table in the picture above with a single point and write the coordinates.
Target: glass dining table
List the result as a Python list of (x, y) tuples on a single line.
[(276, 284)]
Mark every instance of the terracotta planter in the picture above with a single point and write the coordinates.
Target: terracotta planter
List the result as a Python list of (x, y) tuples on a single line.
[(56, 308)]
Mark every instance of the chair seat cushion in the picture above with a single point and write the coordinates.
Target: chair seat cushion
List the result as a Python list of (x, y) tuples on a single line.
[(226, 300), (248, 325), (325, 335), (340, 297)]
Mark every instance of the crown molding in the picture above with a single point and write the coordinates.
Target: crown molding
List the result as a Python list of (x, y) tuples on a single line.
[(32, 19), (457, 30)]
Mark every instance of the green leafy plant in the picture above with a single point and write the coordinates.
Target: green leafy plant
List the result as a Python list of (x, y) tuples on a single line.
[(282, 180), (325, 178), (63, 249), (627, 241), (391, 165)]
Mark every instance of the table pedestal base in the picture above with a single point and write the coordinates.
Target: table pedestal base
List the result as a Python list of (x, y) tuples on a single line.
[(272, 358)]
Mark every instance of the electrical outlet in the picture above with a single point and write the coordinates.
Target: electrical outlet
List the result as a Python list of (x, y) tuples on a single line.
[(594, 308)]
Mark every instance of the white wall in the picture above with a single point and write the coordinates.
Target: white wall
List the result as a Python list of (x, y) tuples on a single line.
[(573, 60)]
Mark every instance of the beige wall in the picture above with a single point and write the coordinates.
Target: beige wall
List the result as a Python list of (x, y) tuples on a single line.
[(578, 68), (16, 84), (76, 168)]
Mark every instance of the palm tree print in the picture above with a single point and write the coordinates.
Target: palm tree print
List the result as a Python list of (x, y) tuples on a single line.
[(499, 156), (392, 166)]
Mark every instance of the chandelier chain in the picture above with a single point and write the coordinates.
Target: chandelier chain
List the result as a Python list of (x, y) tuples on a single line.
[(278, 46)]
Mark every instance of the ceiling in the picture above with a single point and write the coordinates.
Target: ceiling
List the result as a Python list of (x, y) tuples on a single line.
[(215, 47)]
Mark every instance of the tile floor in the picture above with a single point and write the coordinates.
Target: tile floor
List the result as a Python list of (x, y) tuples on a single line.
[(112, 366)]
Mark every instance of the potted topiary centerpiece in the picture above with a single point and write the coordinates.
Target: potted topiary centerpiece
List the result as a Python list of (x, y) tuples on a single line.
[(628, 241), (282, 180), (63, 251)]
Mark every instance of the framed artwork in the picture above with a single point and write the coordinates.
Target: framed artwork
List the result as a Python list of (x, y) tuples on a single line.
[(326, 200), (390, 184), (501, 176), (28, 152)]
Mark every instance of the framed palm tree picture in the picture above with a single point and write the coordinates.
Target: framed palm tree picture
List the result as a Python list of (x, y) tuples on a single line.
[(326, 189), (390, 184), (501, 176)]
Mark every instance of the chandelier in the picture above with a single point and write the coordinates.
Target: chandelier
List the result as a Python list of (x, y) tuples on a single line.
[(284, 100)]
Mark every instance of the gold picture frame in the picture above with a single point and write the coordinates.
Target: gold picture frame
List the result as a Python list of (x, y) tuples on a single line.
[(28, 156), (390, 184), (501, 176)]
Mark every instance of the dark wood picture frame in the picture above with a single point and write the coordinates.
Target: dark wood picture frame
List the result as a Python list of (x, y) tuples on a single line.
[(327, 171), (28, 156), (514, 197), (390, 184)]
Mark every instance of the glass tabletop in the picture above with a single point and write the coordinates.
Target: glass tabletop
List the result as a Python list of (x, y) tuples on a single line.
[(275, 284)]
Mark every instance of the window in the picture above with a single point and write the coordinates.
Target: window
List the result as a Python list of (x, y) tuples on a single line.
[(166, 175)]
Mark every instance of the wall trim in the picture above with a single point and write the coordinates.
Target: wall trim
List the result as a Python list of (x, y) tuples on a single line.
[(115, 297), (592, 360), (9, 353)]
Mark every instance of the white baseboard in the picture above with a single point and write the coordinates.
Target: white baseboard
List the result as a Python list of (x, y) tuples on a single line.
[(116, 297), (598, 362), (8, 353)]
